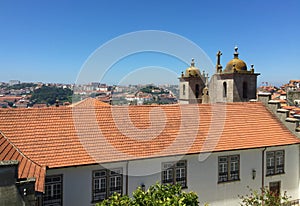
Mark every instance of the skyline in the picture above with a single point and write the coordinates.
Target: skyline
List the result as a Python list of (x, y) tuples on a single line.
[(50, 41)]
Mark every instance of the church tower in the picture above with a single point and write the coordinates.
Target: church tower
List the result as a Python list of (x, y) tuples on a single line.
[(233, 84), (191, 85)]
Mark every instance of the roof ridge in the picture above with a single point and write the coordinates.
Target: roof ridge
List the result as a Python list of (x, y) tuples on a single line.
[(125, 106)]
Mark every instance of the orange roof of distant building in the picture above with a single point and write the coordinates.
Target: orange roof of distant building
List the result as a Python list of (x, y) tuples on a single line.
[(88, 102), (91, 132), (39, 105), (10, 98), (282, 100), (289, 107)]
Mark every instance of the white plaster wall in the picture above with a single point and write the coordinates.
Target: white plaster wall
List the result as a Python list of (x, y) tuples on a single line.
[(202, 177), (151, 168), (77, 182)]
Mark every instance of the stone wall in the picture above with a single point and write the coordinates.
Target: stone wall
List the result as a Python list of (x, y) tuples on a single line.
[(14, 191), (282, 114)]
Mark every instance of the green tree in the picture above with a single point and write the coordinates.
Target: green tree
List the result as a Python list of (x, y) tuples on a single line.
[(156, 195), (22, 86), (49, 95), (264, 197)]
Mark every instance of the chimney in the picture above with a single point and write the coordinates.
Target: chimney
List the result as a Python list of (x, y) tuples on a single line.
[(57, 103), (264, 98)]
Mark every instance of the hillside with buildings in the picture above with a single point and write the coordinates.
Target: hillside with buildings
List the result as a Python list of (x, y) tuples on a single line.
[(22, 95)]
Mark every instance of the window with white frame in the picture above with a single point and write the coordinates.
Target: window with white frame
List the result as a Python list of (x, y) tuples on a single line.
[(106, 182), (229, 168), (53, 191), (175, 173), (275, 162)]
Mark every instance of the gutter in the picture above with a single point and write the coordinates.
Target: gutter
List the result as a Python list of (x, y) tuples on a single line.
[(127, 162), (263, 171), (263, 168)]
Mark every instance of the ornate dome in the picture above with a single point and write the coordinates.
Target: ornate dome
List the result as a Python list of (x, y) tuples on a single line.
[(235, 64), (192, 71)]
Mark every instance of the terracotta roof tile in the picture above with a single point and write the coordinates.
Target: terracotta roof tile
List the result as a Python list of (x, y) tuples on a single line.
[(27, 168), (89, 102), (92, 133)]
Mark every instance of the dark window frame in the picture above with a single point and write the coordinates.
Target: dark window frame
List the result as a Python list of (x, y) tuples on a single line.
[(105, 177), (53, 181), (174, 172), (226, 164), (275, 162)]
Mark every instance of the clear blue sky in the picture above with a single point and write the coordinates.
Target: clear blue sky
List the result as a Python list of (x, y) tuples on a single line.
[(50, 40)]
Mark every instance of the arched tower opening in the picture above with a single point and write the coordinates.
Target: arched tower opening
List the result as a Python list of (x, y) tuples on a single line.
[(245, 90), (224, 89)]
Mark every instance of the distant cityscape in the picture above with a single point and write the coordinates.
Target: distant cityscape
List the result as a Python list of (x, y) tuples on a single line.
[(19, 94)]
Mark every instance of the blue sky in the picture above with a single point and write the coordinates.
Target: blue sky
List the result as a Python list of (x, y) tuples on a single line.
[(50, 40)]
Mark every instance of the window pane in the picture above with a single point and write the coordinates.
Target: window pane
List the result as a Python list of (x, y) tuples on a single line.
[(101, 173), (279, 162), (234, 168), (223, 169), (168, 176), (270, 163)]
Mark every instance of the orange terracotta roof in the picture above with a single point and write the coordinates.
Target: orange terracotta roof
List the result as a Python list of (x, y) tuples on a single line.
[(27, 167), (81, 135), (289, 107), (88, 102), (282, 100), (10, 98)]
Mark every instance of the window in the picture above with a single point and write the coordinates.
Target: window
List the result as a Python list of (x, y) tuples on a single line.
[(275, 162), (53, 191), (175, 172), (275, 188), (106, 182), (183, 90), (224, 89), (229, 168)]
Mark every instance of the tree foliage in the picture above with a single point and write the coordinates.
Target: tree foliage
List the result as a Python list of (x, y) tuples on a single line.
[(49, 95), (264, 197), (156, 195), (22, 86)]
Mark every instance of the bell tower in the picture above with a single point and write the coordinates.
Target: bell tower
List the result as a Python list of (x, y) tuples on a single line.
[(191, 85), (233, 84)]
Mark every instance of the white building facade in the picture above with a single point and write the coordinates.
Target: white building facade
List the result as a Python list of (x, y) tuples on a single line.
[(218, 180)]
